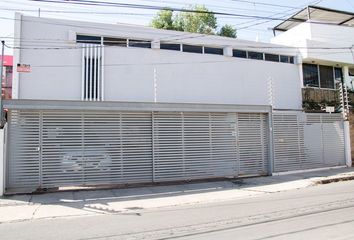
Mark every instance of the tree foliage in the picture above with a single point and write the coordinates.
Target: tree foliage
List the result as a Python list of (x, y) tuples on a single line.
[(228, 31), (198, 20), (163, 20)]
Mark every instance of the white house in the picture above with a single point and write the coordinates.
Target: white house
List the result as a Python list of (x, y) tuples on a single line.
[(118, 104), (142, 64), (324, 38)]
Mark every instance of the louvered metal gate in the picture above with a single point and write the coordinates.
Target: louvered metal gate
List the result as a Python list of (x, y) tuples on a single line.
[(53, 148), (307, 141)]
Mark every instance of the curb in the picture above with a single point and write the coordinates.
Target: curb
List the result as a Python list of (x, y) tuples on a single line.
[(335, 179)]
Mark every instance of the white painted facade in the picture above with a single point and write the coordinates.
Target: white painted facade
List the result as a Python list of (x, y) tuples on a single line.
[(320, 43), (148, 75)]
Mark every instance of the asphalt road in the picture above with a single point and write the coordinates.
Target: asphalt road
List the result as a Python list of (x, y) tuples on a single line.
[(319, 212)]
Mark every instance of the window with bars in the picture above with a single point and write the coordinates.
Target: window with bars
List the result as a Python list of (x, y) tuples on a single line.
[(92, 72)]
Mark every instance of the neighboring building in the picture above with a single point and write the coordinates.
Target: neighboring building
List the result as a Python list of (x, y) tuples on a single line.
[(7, 76), (324, 38), (117, 104)]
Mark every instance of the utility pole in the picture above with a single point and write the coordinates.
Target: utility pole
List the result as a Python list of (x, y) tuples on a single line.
[(1, 78)]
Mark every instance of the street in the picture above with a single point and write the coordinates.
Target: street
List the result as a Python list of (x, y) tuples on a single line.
[(317, 212)]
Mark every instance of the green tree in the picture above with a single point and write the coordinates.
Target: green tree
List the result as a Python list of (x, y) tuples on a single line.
[(228, 31), (163, 20), (201, 20), (198, 20)]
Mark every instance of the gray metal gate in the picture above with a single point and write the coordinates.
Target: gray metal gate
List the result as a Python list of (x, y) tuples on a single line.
[(54, 148), (307, 141)]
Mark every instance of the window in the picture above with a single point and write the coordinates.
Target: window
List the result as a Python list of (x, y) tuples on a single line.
[(310, 75), (170, 46), (239, 53), (320, 76), (211, 50), (109, 41), (255, 55), (192, 48), (88, 39), (338, 74), (286, 59), (271, 57), (92, 73), (326, 77), (139, 43)]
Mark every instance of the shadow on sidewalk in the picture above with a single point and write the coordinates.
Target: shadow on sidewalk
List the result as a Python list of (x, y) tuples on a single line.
[(106, 200)]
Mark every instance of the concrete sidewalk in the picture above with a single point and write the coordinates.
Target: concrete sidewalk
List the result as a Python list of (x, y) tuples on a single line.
[(135, 200)]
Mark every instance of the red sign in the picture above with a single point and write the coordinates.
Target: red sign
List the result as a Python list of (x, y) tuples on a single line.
[(23, 67), (8, 60)]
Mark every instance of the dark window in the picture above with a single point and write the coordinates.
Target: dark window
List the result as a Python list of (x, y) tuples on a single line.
[(192, 48), (351, 72), (88, 39), (255, 55), (139, 43), (239, 53), (170, 46), (121, 42), (326, 77), (338, 74), (291, 59), (271, 57), (310, 74), (211, 50), (284, 59)]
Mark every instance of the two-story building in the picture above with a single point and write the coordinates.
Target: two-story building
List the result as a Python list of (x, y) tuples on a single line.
[(119, 104)]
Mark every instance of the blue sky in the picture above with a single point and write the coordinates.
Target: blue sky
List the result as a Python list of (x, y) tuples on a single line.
[(250, 29)]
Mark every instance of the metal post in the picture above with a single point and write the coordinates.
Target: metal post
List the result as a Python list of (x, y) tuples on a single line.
[(308, 13), (1, 78)]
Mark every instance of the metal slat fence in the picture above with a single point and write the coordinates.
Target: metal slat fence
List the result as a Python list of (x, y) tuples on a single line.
[(54, 148), (307, 141)]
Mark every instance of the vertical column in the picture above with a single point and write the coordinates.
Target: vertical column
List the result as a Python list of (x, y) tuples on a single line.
[(90, 79), (94, 98), (153, 145), (155, 44), (271, 142), (347, 147), (228, 51), (17, 55), (102, 62), (2, 162), (83, 67), (346, 78)]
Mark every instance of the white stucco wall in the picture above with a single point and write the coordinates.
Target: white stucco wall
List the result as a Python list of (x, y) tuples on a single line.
[(322, 42), (129, 72)]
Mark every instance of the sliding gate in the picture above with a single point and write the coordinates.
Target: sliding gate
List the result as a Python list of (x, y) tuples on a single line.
[(54, 148)]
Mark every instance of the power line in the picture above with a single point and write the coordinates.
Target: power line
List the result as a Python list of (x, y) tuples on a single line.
[(150, 7), (283, 15), (265, 4)]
